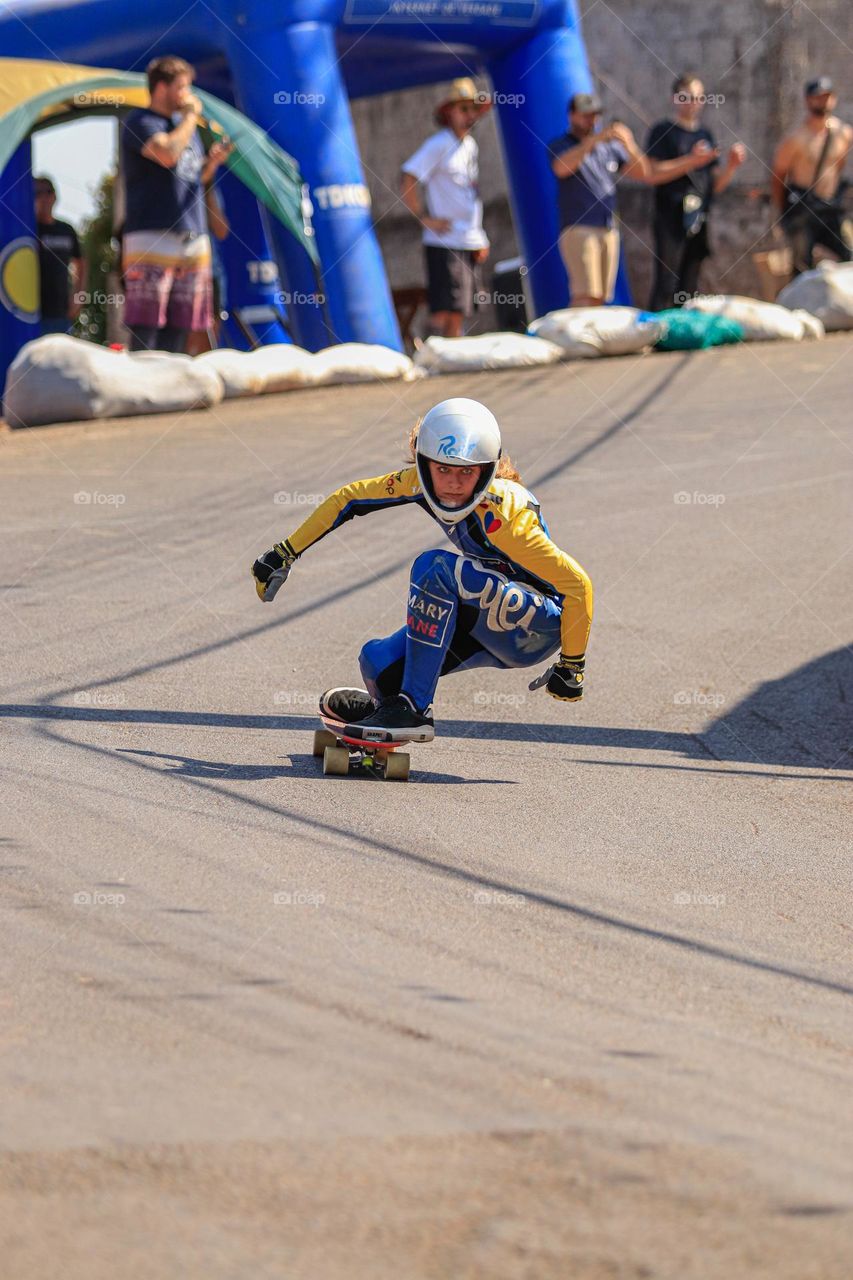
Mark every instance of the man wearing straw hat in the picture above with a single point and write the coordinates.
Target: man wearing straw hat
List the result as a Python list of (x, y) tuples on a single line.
[(449, 208)]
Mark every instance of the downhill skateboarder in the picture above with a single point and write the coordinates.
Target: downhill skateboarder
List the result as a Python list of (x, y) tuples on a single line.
[(504, 596)]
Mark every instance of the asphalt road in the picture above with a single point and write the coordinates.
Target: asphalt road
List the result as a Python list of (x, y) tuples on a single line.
[(574, 1002)]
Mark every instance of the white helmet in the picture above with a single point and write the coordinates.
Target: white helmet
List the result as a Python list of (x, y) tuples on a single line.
[(459, 433)]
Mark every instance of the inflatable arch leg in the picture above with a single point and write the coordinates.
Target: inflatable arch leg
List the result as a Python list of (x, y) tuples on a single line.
[(533, 84), (19, 273), (253, 287), (303, 105)]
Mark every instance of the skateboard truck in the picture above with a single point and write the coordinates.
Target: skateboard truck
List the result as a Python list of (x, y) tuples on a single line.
[(344, 755)]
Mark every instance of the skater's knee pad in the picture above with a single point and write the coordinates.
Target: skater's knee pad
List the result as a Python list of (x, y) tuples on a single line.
[(435, 570)]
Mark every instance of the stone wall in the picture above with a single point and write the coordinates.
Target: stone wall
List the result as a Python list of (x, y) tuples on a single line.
[(755, 54)]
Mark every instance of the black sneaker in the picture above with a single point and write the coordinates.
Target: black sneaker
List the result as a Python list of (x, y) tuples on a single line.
[(348, 705), (395, 720)]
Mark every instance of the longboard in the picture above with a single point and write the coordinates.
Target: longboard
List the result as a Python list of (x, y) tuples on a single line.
[(343, 755)]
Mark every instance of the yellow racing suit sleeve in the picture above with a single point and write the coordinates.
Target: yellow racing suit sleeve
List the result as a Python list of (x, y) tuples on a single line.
[(524, 541), (359, 498)]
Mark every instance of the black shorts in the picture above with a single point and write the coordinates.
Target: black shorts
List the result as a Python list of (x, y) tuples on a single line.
[(452, 279)]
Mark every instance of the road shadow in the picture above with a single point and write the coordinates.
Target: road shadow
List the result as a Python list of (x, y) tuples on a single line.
[(305, 766), (803, 719)]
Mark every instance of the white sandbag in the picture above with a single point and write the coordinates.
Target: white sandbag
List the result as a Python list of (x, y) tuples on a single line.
[(597, 331), (278, 367), (357, 362), (761, 321), (63, 379), (812, 327), (485, 351), (826, 292)]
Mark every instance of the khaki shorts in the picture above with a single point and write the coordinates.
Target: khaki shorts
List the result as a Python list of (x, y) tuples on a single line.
[(591, 257)]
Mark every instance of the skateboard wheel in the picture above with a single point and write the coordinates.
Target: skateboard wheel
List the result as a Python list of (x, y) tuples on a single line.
[(322, 739), (336, 761), (397, 766)]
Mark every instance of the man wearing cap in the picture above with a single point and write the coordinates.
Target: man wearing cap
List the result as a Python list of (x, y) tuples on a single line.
[(446, 168), (60, 263), (807, 188), (587, 161)]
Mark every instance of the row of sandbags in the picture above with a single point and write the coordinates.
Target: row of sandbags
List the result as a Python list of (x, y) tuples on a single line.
[(63, 379), (583, 333), (579, 333), (282, 367)]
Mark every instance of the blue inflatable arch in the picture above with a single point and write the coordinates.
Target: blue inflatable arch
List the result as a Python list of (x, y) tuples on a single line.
[(292, 66)]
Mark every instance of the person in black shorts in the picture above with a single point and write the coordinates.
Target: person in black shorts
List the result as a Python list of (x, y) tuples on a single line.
[(682, 207), (60, 263), (447, 168)]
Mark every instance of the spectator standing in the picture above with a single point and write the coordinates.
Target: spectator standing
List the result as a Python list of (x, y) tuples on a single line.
[(166, 254), (682, 206), (587, 162), (60, 263), (808, 179), (446, 167)]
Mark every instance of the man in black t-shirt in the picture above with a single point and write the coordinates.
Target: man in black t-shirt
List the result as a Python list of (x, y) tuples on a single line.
[(682, 206), (166, 257), (60, 263)]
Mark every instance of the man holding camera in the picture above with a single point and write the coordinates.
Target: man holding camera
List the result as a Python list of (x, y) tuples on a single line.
[(808, 185), (587, 162)]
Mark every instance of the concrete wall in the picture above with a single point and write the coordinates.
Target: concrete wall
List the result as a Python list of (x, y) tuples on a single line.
[(755, 54)]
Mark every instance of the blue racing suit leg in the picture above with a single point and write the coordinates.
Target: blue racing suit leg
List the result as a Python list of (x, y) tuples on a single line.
[(461, 614)]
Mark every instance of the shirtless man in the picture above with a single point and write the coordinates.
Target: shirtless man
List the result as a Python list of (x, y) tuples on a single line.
[(806, 194)]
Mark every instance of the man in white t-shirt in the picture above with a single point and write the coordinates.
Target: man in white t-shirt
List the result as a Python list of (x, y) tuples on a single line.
[(446, 168)]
